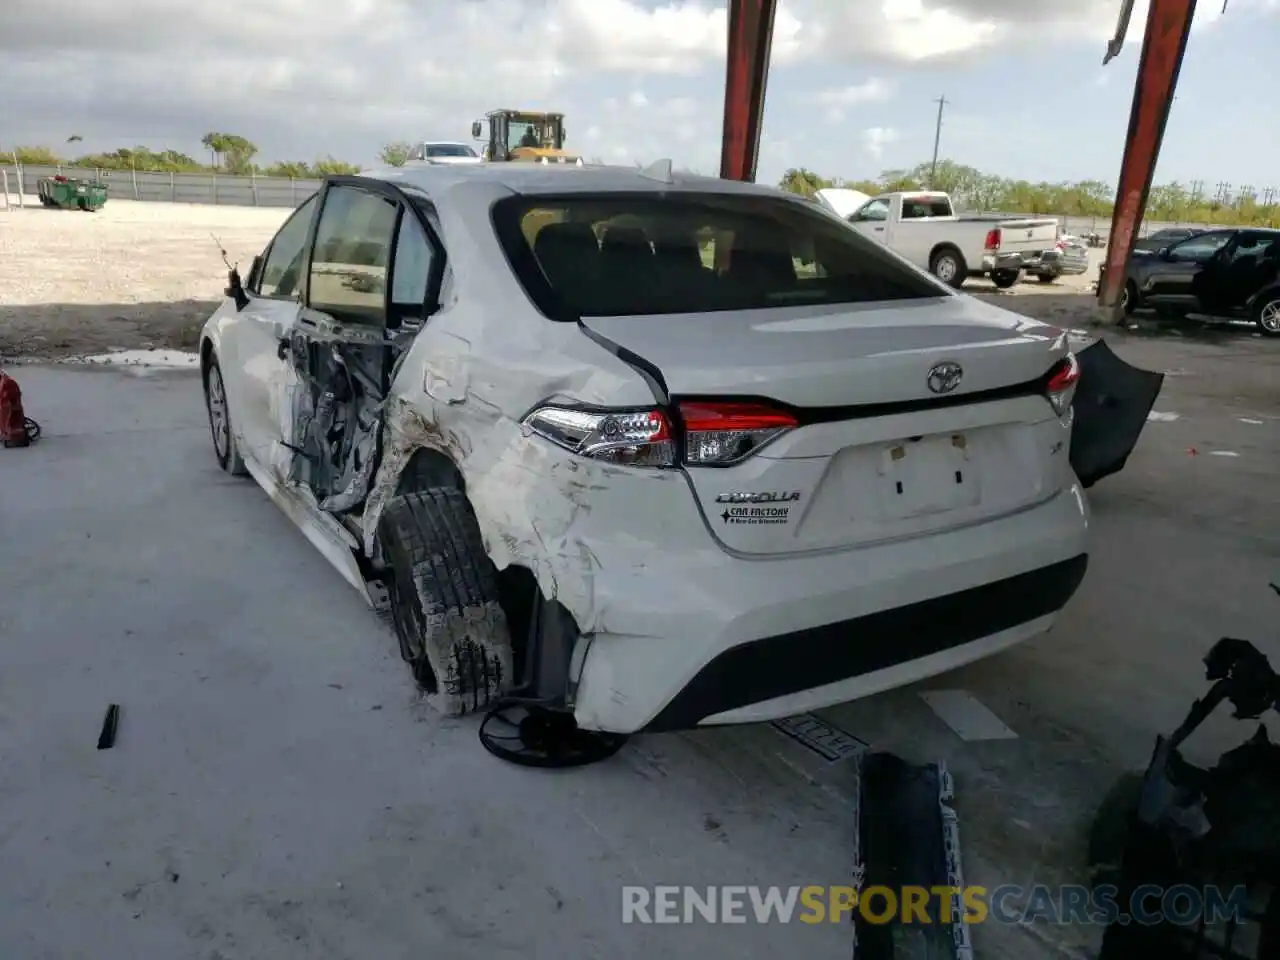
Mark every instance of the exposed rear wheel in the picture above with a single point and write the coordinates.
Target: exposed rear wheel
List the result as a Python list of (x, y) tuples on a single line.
[(224, 439), (444, 600), (1048, 278), (1004, 279)]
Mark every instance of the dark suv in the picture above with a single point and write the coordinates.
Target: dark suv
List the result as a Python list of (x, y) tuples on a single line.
[(1224, 273)]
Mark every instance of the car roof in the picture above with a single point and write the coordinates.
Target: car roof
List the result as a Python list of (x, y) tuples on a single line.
[(523, 177)]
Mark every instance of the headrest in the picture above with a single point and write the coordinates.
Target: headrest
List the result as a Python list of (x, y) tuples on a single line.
[(560, 238), (630, 239)]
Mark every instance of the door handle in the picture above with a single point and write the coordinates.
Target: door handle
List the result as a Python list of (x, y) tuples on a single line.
[(879, 229)]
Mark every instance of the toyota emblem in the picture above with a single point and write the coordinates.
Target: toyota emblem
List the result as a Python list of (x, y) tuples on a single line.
[(944, 377)]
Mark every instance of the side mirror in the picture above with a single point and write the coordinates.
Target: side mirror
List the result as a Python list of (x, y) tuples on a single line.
[(564, 135), (477, 129), (1164, 254), (235, 289)]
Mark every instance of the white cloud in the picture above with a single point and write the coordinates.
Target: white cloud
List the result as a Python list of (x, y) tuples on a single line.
[(304, 77), (838, 99), (875, 139)]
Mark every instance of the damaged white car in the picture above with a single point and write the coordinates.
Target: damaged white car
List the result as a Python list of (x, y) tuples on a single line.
[(646, 450)]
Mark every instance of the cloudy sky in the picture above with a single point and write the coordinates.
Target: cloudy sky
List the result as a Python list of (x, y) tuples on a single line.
[(851, 93)]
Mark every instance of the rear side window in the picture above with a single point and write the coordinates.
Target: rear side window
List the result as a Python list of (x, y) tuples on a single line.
[(636, 254)]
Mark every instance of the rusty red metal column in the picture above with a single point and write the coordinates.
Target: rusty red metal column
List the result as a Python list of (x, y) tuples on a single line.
[(746, 73), (1165, 42)]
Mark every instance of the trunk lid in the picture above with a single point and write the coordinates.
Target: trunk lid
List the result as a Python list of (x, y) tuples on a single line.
[(858, 353), (1027, 236), (878, 454)]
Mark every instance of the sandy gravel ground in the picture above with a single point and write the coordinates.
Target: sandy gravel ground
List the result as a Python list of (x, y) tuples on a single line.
[(147, 275)]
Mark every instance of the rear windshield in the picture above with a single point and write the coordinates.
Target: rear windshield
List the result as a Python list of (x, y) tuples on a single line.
[(917, 208), (631, 254)]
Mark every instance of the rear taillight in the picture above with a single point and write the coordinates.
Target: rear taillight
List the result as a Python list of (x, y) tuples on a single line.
[(711, 434), (719, 434), (637, 438), (1061, 386), (993, 240)]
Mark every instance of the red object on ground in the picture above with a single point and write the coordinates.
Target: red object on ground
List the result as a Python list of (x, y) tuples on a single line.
[(13, 421)]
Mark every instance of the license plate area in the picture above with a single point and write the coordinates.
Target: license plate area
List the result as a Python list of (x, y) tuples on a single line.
[(928, 475)]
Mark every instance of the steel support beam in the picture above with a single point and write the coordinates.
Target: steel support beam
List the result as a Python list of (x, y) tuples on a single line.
[(1168, 25), (747, 71)]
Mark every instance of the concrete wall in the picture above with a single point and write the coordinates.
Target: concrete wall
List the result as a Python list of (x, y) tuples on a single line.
[(177, 187), (281, 192)]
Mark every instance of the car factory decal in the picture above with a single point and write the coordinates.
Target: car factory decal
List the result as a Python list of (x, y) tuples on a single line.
[(769, 507)]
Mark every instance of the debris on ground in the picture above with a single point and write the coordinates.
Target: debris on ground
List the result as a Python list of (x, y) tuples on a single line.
[(107, 738), (1182, 827)]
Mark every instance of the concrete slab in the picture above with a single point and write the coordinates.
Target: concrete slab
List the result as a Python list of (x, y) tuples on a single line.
[(277, 790)]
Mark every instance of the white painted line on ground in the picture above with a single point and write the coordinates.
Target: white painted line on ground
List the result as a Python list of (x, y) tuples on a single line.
[(1223, 453), (1256, 423), (1158, 417), (966, 715)]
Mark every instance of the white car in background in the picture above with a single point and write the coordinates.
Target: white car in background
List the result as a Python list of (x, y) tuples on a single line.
[(445, 152), (650, 450)]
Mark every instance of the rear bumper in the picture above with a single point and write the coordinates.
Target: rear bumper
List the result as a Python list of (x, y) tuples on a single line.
[(771, 638), (1049, 263), (1053, 263)]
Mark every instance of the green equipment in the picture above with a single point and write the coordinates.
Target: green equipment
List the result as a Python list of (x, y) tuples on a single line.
[(68, 193)]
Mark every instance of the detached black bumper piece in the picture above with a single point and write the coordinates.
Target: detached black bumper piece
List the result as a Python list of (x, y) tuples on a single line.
[(1112, 402), (908, 837), (791, 662)]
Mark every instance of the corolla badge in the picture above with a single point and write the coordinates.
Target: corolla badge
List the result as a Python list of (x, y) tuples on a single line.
[(944, 377)]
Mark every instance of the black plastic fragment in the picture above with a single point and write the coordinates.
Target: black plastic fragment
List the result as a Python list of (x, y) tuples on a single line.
[(107, 739), (905, 839)]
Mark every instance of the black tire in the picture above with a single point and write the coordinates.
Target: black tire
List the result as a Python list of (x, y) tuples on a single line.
[(1266, 315), (1004, 279), (224, 437), (947, 264), (1047, 277), (444, 600), (1129, 298)]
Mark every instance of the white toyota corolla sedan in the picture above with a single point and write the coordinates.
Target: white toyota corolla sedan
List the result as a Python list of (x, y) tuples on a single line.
[(648, 449)]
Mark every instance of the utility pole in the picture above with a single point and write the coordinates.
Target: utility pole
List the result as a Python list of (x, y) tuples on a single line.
[(937, 138)]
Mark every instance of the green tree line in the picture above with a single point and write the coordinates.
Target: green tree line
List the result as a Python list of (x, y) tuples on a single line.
[(228, 153), (974, 190)]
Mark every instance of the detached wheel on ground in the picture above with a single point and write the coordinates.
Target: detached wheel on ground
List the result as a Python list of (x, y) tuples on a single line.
[(947, 264), (1047, 277), (224, 438), (444, 600), (1266, 314), (1004, 279)]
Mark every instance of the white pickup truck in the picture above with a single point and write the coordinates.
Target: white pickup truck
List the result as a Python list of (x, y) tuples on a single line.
[(923, 226)]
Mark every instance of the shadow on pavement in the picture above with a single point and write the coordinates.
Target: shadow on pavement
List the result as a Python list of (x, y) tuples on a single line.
[(55, 331)]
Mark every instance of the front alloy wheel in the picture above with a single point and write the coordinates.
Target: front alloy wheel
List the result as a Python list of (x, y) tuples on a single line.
[(224, 443), (1269, 317)]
